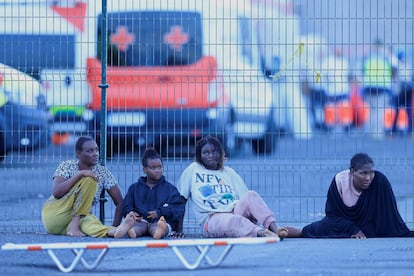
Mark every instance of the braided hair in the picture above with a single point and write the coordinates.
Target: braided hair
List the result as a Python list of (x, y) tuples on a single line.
[(150, 153)]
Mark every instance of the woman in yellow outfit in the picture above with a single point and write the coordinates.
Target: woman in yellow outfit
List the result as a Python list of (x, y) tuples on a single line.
[(77, 185)]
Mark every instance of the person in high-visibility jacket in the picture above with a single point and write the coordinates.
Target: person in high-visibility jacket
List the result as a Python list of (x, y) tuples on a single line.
[(378, 72)]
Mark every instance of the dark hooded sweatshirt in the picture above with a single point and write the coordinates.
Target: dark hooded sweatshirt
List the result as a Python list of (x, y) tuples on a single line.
[(163, 198)]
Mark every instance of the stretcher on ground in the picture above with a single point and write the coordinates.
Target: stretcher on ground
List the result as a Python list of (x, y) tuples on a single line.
[(203, 247)]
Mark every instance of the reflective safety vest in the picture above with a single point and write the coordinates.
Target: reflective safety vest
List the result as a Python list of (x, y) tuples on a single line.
[(377, 72)]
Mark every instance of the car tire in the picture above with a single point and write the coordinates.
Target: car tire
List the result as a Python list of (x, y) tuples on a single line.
[(229, 140)]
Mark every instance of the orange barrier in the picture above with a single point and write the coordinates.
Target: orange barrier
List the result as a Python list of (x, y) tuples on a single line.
[(354, 111), (360, 108), (389, 117), (345, 115), (340, 113), (329, 111), (402, 120), (401, 123)]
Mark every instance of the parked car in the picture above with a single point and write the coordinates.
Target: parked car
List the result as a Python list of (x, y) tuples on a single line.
[(46, 41), (24, 120)]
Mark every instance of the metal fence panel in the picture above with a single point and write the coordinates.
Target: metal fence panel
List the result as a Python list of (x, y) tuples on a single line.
[(262, 75)]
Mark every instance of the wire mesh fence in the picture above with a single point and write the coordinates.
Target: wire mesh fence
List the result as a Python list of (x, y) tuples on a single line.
[(283, 84)]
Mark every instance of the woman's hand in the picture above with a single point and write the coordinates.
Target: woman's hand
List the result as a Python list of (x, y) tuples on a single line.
[(61, 186), (136, 216), (359, 235), (89, 173), (152, 215)]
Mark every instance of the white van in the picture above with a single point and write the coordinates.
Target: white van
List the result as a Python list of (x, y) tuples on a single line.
[(46, 41), (179, 70)]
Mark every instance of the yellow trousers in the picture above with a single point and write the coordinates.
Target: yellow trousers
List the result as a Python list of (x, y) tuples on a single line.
[(57, 213)]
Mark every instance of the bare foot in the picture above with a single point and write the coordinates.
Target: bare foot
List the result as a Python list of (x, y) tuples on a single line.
[(161, 228), (75, 233), (282, 232), (73, 229), (131, 233), (125, 226), (267, 233)]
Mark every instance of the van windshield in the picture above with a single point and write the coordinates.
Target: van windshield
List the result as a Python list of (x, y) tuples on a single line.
[(34, 52), (152, 38)]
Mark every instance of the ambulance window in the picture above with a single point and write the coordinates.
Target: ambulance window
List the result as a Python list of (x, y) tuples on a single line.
[(152, 38)]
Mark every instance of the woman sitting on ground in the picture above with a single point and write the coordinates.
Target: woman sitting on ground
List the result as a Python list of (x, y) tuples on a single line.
[(360, 204), (77, 185), (221, 201)]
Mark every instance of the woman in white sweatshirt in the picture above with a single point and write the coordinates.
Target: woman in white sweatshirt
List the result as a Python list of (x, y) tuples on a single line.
[(221, 201)]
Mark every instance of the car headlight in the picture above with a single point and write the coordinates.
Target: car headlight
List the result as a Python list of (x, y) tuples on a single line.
[(87, 115), (212, 113)]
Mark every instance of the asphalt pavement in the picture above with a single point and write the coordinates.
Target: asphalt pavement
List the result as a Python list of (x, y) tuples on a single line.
[(391, 256)]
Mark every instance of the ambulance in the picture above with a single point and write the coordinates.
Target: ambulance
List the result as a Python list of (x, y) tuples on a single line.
[(177, 71)]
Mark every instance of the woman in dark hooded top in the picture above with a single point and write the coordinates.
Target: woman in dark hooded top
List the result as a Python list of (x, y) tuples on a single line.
[(360, 204)]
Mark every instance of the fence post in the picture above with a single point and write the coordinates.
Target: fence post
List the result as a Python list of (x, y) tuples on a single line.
[(104, 85)]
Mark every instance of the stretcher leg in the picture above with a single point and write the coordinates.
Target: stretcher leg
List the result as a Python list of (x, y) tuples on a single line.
[(203, 255), (78, 257), (220, 258), (98, 259)]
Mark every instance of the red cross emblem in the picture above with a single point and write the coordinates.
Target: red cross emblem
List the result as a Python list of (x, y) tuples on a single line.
[(122, 38), (176, 38)]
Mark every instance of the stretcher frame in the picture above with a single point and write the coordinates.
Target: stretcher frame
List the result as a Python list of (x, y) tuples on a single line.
[(203, 247)]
